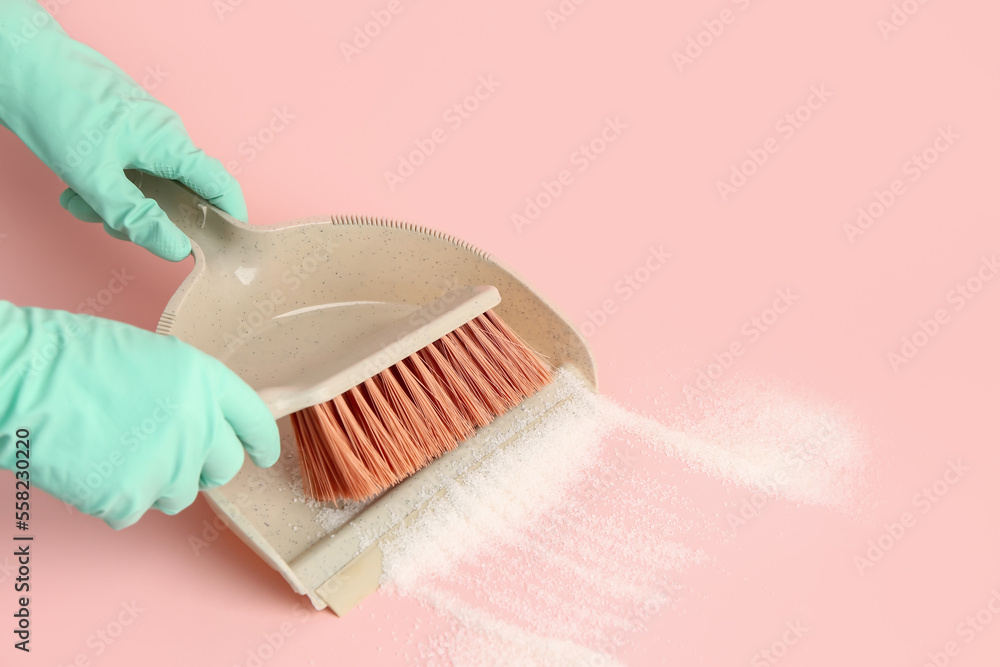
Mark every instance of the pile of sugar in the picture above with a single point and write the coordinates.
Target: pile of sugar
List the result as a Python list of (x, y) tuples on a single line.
[(562, 546)]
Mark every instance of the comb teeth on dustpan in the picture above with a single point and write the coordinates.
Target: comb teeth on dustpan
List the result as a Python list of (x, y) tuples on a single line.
[(324, 317)]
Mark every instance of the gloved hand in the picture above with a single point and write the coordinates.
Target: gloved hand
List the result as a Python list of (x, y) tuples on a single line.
[(122, 419), (88, 121)]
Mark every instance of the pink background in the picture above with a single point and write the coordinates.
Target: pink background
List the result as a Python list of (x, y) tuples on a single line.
[(655, 185)]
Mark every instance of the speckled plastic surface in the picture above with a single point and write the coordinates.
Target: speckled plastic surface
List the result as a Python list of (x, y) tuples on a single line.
[(283, 305)]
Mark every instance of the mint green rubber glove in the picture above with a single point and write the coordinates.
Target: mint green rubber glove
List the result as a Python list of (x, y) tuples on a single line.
[(122, 420), (88, 121)]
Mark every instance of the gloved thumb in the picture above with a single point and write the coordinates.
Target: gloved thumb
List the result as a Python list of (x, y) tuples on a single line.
[(249, 417)]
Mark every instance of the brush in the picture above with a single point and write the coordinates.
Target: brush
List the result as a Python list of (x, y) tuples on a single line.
[(379, 432)]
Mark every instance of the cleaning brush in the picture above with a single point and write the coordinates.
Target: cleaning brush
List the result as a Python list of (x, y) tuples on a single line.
[(396, 422)]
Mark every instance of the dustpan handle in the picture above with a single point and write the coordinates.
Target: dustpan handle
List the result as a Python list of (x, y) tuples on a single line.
[(209, 228)]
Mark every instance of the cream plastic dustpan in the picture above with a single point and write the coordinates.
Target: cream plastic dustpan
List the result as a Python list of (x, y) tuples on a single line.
[(305, 310)]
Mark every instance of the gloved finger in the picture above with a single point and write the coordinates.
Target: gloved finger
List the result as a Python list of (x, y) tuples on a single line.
[(223, 462), (182, 161), (81, 210), (124, 512), (114, 233), (250, 419), (178, 498), (77, 207), (125, 522), (206, 176), (123, 208)]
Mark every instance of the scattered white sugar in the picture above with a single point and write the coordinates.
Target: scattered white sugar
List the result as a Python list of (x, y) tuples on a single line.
[(563, 545), (331, 516), (766, 437), (492, 497)]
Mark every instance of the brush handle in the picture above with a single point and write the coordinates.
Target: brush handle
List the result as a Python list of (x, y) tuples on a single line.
[(210, 229), (371, 354)]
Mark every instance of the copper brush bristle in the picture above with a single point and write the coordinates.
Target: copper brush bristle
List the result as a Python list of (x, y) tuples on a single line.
[(385, 429)]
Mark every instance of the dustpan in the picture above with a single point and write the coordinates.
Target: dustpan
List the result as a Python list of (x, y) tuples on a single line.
[(282, 305)]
